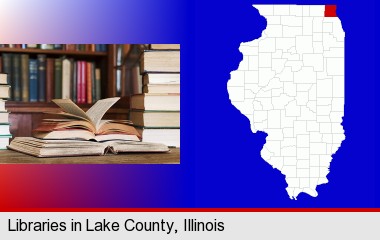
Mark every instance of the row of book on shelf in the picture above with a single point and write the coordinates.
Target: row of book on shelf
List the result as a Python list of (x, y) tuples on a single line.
[(5, 134), (43, 79), (66, 47)]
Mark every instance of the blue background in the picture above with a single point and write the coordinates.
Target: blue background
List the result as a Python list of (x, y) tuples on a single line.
[(228, 166)]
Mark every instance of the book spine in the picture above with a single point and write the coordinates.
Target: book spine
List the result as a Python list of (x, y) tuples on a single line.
[(70, 47), (83, 82), (98, 84), (16, 74), (7, 66), (57, 46), (1, 64), (74, 79), (33, 81), (79, 82), (25, 77), (49, 79), (66, 79), (89, 82), (58, 78), (31, 46), (41, 61), (93, 89)]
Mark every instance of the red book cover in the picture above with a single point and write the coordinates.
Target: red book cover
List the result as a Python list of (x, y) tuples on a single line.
[(49, 79)]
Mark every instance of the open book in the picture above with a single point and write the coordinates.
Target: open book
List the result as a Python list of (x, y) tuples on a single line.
[(58, 148), (89, 125)]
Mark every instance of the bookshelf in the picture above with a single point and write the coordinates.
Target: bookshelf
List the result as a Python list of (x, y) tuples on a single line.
[(25, 116)]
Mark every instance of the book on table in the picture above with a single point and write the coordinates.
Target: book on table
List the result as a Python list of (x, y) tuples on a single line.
[(60, 148), (83, 133), (77, 124)]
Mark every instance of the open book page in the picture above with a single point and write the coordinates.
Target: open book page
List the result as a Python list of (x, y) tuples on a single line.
[(97, 111), (70, 107), (68, 115)]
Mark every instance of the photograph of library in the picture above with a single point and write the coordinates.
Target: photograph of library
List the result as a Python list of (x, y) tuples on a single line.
[(90, 103)]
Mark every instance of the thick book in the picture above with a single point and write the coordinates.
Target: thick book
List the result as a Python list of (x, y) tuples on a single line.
[(2, 105), (74, 79), (16, 77), (160, 61), (168, 136), (25, 77), (89, 81), (50, 79), (161, 78), (98, 84), (46, 46), (152, 101), (5, 91), (155, 119), (41, 62), (58, 78), (4, 141), (60, 148), (4, 117), (3, 78), (7, 66), (31, 45), (161, 88), (66, 78), (4, 129), (89, 125), (33, 80), (164, 46)]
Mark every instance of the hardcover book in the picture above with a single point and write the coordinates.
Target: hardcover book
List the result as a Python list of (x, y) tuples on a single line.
[(50, 79), (168, 136), (164, 46), (155, 119), (161, 78), (160, 61), (5, 91), (33, 80), (3, 78), (161, 88), (41, 62), (24, 77), (151, 101), (16, 77)]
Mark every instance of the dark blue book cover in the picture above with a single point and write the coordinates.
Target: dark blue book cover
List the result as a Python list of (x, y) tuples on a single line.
[(33, 82)]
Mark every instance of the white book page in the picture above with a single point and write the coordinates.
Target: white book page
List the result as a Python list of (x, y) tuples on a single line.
[(97, 111)]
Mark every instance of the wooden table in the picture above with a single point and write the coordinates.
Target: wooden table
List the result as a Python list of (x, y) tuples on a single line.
[(12, 157)]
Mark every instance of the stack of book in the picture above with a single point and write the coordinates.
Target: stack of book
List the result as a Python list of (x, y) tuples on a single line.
[(42, 79), (5, 134), (156, 112)]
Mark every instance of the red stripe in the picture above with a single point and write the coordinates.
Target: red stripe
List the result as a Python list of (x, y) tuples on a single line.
[(189, 209)]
